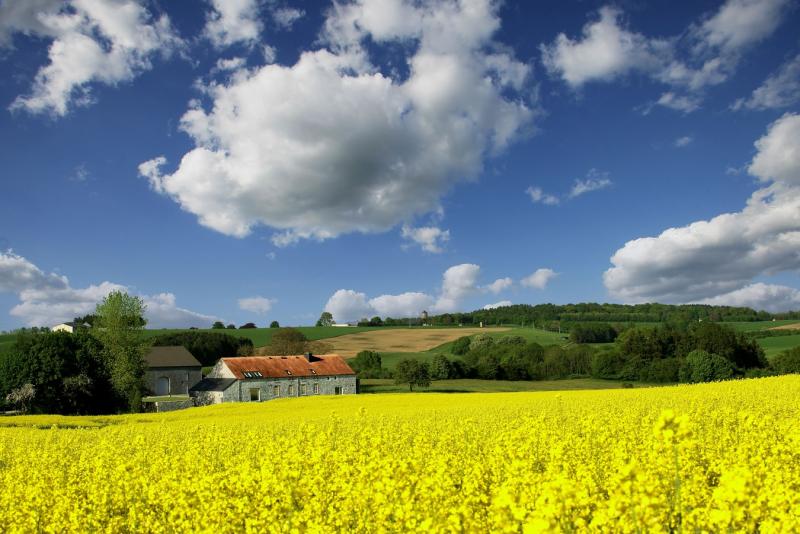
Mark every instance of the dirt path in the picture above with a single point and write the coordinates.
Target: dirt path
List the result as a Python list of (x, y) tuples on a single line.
[(401, 340)]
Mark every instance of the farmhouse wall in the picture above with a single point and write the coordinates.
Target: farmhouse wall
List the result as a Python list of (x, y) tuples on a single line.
[(180, 378), (240, 391)]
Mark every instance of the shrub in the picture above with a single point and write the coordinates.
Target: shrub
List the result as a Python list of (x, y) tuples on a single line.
[(481, 341), (440, 367), (787, 361), (662, 371), (607, 364), (702, 366), (461, 346)]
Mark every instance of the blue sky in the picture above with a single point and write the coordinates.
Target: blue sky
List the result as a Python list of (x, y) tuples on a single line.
[(263, 159)]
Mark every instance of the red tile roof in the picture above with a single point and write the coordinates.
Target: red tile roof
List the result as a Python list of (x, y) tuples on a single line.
[(287, 366)]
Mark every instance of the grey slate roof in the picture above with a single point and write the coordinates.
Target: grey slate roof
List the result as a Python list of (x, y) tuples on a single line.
[(213, 384), (175, 356)]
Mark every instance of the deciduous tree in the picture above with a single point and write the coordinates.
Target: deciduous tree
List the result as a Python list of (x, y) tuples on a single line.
[(119, 326)]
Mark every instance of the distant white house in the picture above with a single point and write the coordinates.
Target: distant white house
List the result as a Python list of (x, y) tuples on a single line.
[(343, 325), (68, 327)]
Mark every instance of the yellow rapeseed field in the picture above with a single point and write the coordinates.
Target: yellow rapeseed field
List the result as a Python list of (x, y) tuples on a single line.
[(719, 457)]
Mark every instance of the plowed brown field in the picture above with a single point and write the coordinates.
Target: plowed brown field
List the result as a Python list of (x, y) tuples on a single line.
[(401, 340), (793, 326)]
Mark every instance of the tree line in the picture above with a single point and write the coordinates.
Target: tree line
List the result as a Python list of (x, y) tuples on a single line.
[(562, 317), (665, 354), (92, 371)]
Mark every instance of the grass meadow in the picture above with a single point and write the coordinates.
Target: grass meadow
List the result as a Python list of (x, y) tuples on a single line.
[(775, 345)]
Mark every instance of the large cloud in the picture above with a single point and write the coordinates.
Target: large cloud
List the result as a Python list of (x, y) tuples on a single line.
[(760, 296), (459, 282), (708, 259), (92, 41), (333, 144), (47, 299), (705, 54)]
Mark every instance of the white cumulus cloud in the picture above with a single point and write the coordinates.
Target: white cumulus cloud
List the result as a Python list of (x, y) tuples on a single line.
[(605, 51), (458, 283), (499, 285), (48, 299), (500, 304), (539, 278), (91, 41), (429, 238), (233, 21), (780, 90), (759, 296), (260, 305), (285, 17), (706, 53), (409, 304), (720, 256), (271, 149), (348, 305)]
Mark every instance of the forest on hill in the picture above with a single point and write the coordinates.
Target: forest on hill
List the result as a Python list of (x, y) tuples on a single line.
[(560, 317)]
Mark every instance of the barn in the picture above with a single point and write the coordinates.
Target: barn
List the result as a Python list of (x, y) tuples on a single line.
[(171, 371), (262, 378)]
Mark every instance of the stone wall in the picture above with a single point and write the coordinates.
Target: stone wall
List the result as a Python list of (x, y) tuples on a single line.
[(169, 406), (275, 388), (180, 379)]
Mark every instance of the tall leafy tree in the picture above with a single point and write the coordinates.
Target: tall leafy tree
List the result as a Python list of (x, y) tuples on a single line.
[(326, 319), (120, 326), (413, 373)]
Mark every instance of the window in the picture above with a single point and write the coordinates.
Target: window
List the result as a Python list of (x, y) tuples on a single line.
[(252, 374), (291, 390), (316, 389), (276, 391), (255, 394), (288, 372), (337, 390), (304, 389)]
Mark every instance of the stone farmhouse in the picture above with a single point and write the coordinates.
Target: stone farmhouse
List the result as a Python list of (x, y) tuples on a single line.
[(171, 371), (261, 378)]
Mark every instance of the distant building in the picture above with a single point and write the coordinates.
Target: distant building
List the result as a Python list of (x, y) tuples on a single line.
[(261, 378), (171, 371), (69, 327)]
